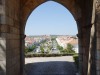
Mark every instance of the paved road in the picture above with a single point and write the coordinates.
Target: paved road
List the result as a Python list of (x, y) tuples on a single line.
[(50, 66), (54, 50)]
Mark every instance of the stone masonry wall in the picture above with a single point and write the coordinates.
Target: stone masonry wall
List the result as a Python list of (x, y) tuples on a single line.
[(98, 36), (10, 36), (2, 39), (13, 16)]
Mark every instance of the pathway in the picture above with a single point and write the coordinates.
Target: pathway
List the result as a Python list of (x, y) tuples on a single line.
[(50, 66)]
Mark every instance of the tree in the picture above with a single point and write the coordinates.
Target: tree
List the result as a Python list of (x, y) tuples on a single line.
[(26, 50), (53, 39), (33, 47), (29, 49), (70, 48), (42, 49), (59, 47)]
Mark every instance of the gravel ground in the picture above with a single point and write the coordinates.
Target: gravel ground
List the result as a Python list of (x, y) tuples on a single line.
[(50, 66)]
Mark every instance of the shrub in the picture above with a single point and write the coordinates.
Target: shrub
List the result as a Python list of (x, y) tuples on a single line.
[(26, 50), (70, 48), (76, 59), (47, 55), (42, 49), (60, 48)]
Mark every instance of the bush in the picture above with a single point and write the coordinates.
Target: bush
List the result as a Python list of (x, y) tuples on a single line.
[(60, 48), (76, 59), (47, 55), (29, 49), (26, 50), (70, 48), (33, 47), (42, 49)]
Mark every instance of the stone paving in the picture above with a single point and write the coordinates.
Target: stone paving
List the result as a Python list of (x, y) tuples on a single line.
[(50, 66)]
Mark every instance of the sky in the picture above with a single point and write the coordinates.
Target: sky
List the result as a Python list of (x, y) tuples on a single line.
[(51, 18)]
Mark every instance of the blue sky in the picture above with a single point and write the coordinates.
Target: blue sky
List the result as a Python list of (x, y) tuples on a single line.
[(51, 18)]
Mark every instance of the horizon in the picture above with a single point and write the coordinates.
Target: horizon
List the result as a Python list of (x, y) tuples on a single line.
[(51, 35)]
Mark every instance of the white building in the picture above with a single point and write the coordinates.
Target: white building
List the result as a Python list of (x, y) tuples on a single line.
[(75, 48)]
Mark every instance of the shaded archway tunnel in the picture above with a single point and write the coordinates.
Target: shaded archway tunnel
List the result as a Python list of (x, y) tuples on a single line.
[(50, 18), (77, 13), (13, 18)]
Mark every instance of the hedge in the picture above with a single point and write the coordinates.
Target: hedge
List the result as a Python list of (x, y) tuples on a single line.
[(47, 55), (76, 59)]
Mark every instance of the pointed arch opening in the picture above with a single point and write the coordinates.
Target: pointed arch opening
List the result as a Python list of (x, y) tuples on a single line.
[(46, 23)]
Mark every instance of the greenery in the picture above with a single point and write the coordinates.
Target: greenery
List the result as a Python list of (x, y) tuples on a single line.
[(53, 38), (33, 47), (68, 49), (60, 48), (47, 55), (43, 41), (42, 49), (30, 49), (26, 50), (76, 59), (49, 48), (69, 46)]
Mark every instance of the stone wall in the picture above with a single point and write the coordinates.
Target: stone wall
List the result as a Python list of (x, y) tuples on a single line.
[(2, 39), (98, 37), (10, 36), (84, 26), (13, 17), (13, 37)]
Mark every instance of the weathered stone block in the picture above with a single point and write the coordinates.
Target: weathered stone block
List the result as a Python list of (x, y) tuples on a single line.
[(1, 9), (98, 72), (2, 20), (4, 28), (14, 30), (98, 54), (3, 55), (3, 67), (98, 45), (3, 45), (98, 65)]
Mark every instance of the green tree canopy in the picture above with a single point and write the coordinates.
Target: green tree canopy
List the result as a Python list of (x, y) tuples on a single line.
[(69, 46), (42, 49)]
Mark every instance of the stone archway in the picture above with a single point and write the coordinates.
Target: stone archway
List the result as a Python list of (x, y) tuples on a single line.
[(13, 16), (26, 9), (77, 10)]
